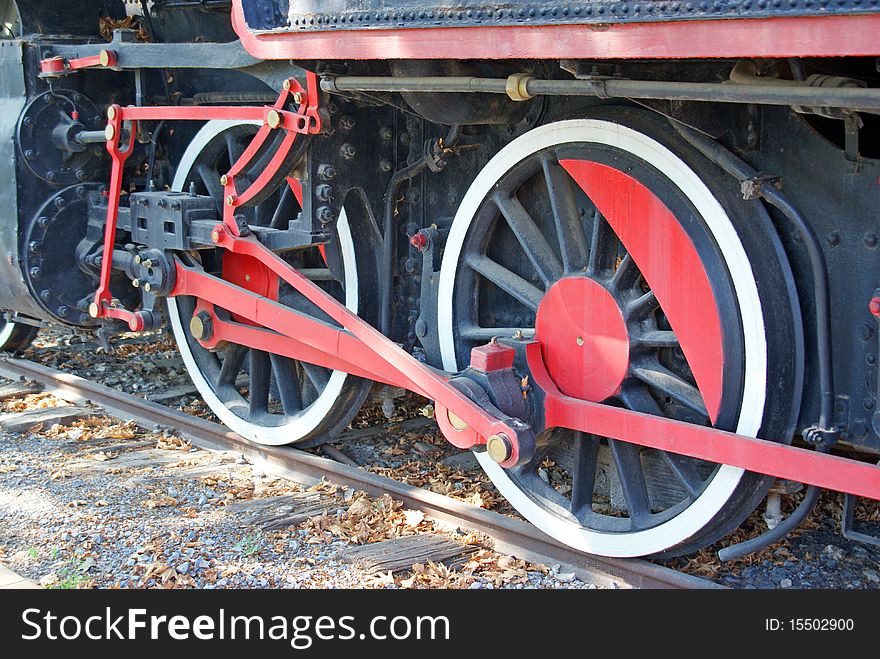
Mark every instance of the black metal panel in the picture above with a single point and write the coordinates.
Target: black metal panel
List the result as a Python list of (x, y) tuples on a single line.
[(317, 15), (81, 18)]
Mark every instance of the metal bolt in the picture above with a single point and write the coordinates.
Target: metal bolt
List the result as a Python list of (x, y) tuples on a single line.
[(35, 272), (148, 263), (230, 200), (298, 98), (580, 340), (111, 113), (137, 259), (499, 448), (385, 133), (834, 239), (224, 180), (63, 311), (324, 192), (247, 277), (347, 122), (202, 326), (105, 57), (94, 310), (286, 85), (385, 165), (871, 359), (109, 133), (52, 176), (45, 295), (29, 154), (43, 222), (518, 335), (136, 283), (274, 119), (327, 172), (325, 215), (348, 151), (148, 287), (215, 236)]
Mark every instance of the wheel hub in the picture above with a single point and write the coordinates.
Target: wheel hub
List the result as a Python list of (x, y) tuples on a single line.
[(584, 338)]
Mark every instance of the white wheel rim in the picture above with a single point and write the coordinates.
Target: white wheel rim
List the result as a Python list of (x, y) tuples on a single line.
[(309, 419), (6, 333), (722, 486)]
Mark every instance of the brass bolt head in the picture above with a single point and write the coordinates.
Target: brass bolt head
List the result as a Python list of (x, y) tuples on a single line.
[(148, 263), (580, 340), (215, 236), (499, 449), (286, 84), (136, 283), (456, 421), (105, 58), (230, 200), (297, 98), (137, 259), (110, 133), (201, 326), (273, 119), (111, 112), (147, 287), (224, 180), (94, 310)]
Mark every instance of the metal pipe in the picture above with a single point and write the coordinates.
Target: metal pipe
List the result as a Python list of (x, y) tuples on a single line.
[(781, 530), (853, 98), (740, 170)]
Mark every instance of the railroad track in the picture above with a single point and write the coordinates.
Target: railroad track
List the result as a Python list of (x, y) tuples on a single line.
[(510, 535)]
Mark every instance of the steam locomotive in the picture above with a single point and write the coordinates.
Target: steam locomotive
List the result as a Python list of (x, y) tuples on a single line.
[(635, 240)]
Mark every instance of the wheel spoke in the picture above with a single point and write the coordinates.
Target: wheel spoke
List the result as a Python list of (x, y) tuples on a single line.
[(211, 181), (583, 477), (508, 281), (667, 382), (626, 276), (642, 307), (533, 242), (636, 396), (286, 209), (603, 246), (234, 147), (260, 375), (288, 384), (486, 334), (632, 481), (318, 375), (572, 240), (658, 339), (232, 363), (685, 470)]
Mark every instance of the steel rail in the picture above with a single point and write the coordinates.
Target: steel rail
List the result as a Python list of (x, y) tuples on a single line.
[(510, 535)]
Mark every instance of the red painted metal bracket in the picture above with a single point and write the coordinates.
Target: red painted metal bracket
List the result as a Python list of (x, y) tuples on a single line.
[(55, 66), (306, 120)]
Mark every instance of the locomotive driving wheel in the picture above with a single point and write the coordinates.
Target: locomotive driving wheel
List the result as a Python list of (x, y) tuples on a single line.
[(650, 285), (270, 399)]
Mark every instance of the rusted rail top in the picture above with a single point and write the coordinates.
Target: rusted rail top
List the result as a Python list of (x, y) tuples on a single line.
[(511, 536)]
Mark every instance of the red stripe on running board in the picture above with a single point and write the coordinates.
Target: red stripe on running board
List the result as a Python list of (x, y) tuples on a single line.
[(758, 455), (670, 264), (791, 36)]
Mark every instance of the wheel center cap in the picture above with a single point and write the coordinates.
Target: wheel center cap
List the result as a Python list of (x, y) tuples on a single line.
[(584, 339)]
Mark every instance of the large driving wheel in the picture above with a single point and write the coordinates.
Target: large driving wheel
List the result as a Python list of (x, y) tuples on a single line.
[(272, 399), (651, 285)]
